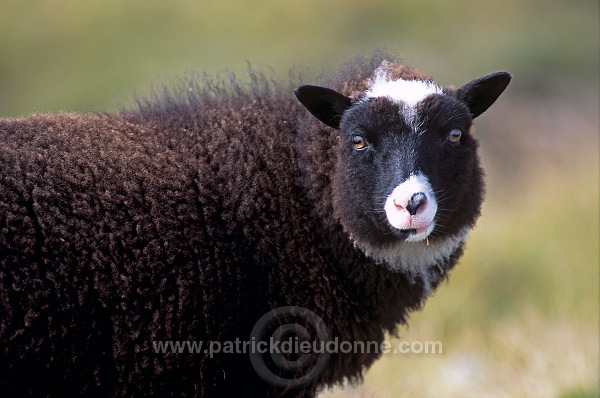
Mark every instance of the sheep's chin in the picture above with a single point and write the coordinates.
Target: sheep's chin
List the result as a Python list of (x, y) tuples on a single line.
[(415, 256)]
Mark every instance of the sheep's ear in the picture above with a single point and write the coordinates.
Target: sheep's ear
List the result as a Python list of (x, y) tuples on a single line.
[(325, 104), (481, 93)]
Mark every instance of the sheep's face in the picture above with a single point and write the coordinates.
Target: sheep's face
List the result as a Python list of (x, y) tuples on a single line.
[(406, 176), (407, 169)]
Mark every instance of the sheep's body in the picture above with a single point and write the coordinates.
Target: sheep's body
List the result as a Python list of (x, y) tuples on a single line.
[(180, 223)]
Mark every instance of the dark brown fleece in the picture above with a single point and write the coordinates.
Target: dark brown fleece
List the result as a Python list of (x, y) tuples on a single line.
[(184, 220)]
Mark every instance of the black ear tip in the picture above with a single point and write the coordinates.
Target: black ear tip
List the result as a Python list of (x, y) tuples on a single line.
[(497, 82), (503, 77), (325, 104), (297, 90), (302, 91), (481, 93)]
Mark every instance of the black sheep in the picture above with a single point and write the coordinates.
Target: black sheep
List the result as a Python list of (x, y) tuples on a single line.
[(192, 217)]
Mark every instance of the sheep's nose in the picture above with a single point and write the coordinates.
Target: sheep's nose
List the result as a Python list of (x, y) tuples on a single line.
[(416, 200)]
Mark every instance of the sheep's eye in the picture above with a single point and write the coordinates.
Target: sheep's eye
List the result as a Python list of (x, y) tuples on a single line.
[(359, 142), (454, 136)]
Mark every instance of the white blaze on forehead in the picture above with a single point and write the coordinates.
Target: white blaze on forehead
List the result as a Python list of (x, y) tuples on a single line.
[(409, 92)]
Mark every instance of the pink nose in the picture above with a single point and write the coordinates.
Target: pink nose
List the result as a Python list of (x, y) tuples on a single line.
[(416, 200)]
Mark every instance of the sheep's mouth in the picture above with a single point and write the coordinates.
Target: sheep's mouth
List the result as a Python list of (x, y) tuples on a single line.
[(404, 233), (414, 234)]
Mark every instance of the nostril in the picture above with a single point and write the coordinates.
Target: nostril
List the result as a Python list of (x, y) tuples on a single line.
[(399, 204), (416, 200)]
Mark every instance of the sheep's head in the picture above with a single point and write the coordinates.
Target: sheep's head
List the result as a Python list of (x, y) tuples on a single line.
[(407, 171)]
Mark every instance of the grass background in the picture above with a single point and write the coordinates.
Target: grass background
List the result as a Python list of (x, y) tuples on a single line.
[(520, 315)]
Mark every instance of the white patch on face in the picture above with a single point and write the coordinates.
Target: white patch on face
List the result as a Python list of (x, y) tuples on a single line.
[(400, 206), (407, 93)]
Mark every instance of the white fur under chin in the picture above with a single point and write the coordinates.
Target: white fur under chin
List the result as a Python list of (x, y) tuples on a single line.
[(416, 258)]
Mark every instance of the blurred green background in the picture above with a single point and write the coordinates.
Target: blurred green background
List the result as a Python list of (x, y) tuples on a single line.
[(520, 315)]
